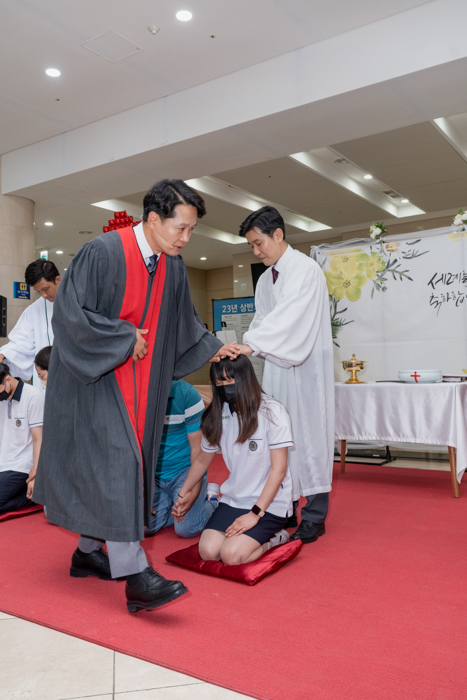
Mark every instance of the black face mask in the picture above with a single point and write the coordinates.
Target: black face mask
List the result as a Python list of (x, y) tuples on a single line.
[(227, 393), (4, 395)]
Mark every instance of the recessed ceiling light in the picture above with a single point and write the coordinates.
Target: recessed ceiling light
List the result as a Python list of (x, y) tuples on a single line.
[(404, 201), (203, 258), (53, 72), (368, 177), (184, 16), (235, 280), (65, 268), (59, 252), (48, 223), (240, 266)]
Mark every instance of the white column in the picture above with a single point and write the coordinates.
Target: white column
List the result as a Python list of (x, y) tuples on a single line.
[(16, 250)]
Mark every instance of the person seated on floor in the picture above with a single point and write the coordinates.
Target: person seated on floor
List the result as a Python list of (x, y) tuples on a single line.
[(41, 364), (254, 432), (180, 445), (21, 418)]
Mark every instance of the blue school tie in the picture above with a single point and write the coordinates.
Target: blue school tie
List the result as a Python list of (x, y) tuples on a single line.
[(275, 275), (152, 264)]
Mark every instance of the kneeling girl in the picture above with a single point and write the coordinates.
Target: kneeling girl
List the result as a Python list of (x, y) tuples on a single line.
[(254, 432)]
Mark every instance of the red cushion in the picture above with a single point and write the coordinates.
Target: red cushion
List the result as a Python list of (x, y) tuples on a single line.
[(243, 573), (21, 511)]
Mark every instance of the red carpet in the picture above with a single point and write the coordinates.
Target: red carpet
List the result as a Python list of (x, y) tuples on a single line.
[(20, 512), (373, 610)]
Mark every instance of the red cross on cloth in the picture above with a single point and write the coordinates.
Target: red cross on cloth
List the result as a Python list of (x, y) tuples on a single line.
[(415, 375)]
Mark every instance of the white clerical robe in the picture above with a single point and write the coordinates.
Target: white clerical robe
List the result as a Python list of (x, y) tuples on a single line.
[(32, 333), (291, 330)]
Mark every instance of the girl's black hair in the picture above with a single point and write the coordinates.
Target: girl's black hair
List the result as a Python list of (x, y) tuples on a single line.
[(4, 372), (42, 358), (248, 399)]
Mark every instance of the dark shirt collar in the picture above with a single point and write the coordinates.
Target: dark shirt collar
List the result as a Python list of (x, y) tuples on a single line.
[(18, 391)]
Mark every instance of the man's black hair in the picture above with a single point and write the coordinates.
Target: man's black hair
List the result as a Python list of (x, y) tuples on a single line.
[(42, 358), (39, 269), (166, 195), (4, 372), (266, 219)]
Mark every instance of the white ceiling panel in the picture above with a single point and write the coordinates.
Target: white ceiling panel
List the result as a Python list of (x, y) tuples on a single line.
[(291, 185), (416, 161), (40, 34), (70, 217)]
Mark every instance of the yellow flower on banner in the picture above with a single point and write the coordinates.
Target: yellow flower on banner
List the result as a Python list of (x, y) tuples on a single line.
[(342, 285), (371, 264), (345, 263)]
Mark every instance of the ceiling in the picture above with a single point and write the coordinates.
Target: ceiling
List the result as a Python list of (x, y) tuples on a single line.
[(40, 34), (320, 191), (417, 162)]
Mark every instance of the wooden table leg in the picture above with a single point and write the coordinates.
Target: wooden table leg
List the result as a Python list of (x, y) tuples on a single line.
[(343, 451), (453, 465)]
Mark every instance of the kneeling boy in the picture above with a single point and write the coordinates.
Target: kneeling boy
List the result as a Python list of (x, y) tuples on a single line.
[(180, 445), (21, 417)]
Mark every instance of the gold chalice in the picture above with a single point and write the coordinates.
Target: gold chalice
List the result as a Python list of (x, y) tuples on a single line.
[(353, 366)]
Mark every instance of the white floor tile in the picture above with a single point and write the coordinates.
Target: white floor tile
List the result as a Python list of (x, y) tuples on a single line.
[(5, 616), (94, 697), (41, 664), (200, 691), (134, 674), (420, 464)]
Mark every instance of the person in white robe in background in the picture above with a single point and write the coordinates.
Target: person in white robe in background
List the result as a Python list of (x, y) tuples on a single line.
[(33, 330), (291, 331)]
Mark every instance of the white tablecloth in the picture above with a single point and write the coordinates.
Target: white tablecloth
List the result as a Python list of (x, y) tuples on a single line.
[(432, 414)]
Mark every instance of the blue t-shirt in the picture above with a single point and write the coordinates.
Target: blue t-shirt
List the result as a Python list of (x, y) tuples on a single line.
[(183, 415)]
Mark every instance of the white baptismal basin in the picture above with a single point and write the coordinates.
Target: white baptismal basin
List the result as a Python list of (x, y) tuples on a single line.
[(421, 376)]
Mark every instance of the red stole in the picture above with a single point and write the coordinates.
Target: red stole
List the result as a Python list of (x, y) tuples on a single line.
[(132, 377)]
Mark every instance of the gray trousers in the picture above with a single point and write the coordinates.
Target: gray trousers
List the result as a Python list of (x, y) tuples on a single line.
[(316, 508), (125, 558)]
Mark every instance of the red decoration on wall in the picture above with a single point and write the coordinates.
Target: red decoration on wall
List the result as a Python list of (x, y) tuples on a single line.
[(120, 220)]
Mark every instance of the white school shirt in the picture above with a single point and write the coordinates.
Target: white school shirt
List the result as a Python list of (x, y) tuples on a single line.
[(25, 410), (32, 332), (291, 330), (249, 463)]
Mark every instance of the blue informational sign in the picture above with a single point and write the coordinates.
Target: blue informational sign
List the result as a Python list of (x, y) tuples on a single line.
[(231, 307), (21, 290)]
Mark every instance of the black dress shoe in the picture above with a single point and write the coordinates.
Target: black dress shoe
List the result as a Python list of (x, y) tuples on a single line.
[(94, 564), (149, 590), (308, 532)]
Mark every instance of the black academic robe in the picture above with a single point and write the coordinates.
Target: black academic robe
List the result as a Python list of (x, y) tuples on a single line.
[(104, 413)]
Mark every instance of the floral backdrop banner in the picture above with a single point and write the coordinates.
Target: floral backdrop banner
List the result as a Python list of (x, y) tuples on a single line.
[(398, 302)]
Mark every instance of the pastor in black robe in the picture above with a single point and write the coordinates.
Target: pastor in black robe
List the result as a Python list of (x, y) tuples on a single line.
[(104, 413)]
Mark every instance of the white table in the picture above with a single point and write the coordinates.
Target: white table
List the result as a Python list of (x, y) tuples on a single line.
[(431, 414)]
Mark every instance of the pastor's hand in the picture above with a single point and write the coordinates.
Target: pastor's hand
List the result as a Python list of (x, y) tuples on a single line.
[(244, 350), (139, 351), (230, 350)]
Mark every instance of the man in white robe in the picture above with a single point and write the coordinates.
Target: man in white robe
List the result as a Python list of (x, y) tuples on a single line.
[(291, 331), (33, 330)]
